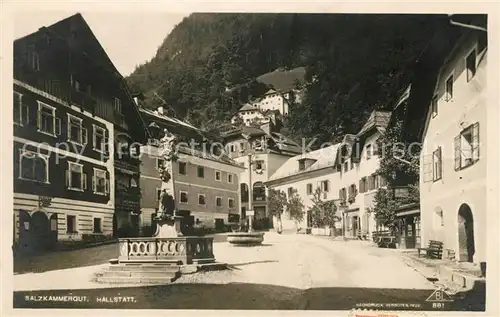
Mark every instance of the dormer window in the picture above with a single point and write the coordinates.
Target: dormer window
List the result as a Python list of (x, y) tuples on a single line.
[(302, 164)]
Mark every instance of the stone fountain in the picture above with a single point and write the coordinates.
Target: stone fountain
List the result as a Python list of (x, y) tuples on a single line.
[(163, 256)]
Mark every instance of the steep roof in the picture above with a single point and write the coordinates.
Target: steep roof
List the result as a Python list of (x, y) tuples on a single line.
[(377, 120), (207, 155), (247, 107), (324, 158)]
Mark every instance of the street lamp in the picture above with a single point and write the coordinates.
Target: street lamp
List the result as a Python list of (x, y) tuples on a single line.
[(342, 207), (250, 188)]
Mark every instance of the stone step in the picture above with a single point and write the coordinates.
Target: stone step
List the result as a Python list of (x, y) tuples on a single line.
[(144, 268), (158, 274), (135, 279)]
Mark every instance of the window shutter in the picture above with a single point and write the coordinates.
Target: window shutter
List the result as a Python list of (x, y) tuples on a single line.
[(58, 126), (67, 178), (457, 152), (107, 186), (440, 157), (475, 142), (427, 168), (39, 119), (84, 181), (84, 136), (361, 187), (340, 194), (93, 184), (25, 117), (106, 143)]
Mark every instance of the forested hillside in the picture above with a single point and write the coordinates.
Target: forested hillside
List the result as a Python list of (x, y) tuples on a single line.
[(208, 65)]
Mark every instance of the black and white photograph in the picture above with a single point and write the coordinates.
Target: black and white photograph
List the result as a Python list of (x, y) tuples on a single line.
[(239, 160)]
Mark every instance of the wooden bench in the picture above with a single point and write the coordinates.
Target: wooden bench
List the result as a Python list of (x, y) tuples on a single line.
[(433, 251)]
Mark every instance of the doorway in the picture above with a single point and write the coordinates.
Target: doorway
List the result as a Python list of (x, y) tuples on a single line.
[(466, 247)]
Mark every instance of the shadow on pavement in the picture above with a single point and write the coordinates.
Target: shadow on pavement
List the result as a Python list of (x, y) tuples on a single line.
[(243, 296)]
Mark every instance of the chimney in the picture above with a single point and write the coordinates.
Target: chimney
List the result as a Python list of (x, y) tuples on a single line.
[(160, 110)]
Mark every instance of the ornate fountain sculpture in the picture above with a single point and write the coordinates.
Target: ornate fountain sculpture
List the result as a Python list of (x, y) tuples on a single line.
[(168, 222)]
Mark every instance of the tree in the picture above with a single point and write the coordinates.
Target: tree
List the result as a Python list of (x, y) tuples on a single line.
[(324, 213), (295, 207), (276, 204)]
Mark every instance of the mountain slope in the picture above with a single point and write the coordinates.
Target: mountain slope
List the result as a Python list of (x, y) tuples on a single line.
[(358, 62)]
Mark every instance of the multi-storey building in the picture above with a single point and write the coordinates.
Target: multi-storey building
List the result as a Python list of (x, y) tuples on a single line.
[(452, 112), (71, 107), (357, 164), (206, 181), (261, 152), (345, 171)]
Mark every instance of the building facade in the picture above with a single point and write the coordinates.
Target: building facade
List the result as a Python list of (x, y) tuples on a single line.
[(65, 129), (261, 152), (453, 160), (206, 181)]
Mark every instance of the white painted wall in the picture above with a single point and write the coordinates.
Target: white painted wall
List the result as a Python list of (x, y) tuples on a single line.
[(468, 185)]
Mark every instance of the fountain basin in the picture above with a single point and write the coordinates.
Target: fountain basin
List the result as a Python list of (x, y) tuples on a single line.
[(245, 238)]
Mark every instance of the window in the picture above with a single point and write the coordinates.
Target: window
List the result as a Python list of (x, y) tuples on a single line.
[(467, 147), (122, 182), (302, 165), (201, 200), (232, 148), (97, 225), (118, 106), (76, 132), (100, 183), (342, 194), (46, 119), (34, 167), (346, 166), (35, 61), (471, 65), (449, 88), (309, 189), (230, 202), (75, 178), (259, 165), (77, 85), (21, 112), (376, 181), (70, 224), (290, 191), (230, 178), (437, 164), (201, 172), (368, 151), (218, 176), (160, 163), (99, 138), (242, 146), (218, 201), (158, 194), (362, 185), (182, 168), (324, 186), (434, 106), (183, 197)]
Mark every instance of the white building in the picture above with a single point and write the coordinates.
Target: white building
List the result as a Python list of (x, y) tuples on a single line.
[(267, 151), (305, 173), (453, 160)]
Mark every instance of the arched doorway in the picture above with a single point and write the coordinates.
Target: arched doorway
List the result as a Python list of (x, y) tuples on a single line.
[(40, 231), (466, 247), (24, 232)]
